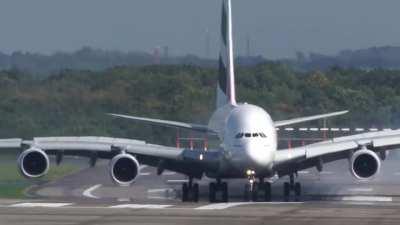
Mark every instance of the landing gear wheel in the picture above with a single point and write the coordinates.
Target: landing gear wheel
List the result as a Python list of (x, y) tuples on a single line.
[(267, 192), (297, 191), (185, 192), (254, 192), (225, 192), (195, 192), (286, 191), (247, 192), (212, 192)]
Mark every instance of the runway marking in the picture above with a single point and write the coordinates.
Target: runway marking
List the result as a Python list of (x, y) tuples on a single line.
[(160, 190), (222, 205), (304, 172), (124, 199), (140, 206), (143, 173), (361, 189), (397, 174), (169, 173), (177, 181), (88, 192), (161, 193), (367, 199), (326, 173), (38, 204)]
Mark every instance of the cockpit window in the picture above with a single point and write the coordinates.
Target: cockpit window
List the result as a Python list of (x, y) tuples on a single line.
[(247, 135), (263, 135), (239, 135)]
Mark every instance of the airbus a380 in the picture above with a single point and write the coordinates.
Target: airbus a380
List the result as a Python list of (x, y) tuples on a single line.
[(248, 146)]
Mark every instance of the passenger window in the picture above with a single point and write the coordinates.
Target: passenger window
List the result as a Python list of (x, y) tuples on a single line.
[(239, 135), (247, 135), (263, 135), (255, 135)]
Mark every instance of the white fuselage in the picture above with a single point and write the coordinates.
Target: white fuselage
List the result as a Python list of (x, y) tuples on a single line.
[(249, 138)]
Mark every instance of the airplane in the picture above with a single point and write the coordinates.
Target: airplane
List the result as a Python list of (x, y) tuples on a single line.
[(248, 148)]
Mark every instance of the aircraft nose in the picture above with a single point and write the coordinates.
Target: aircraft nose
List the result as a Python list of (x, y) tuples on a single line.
[(258, 153)]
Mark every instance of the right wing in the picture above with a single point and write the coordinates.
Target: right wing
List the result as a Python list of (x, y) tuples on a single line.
[(167, 123)]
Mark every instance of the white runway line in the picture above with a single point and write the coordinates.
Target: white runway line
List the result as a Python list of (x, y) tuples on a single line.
[(177, 181), (38, 204), (304, 172), (160, 190), (140, 206), (360, 189), (88, 192), (397, 174), (124, 199), (367, 199), (326, 173), (222, 205), (141, 168), (169, 173)]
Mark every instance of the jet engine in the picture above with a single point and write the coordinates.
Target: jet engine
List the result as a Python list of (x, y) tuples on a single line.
[(33, 163), (124, 169), (364, 164)]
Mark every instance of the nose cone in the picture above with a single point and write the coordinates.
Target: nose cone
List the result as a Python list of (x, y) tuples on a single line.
[(259, 154)]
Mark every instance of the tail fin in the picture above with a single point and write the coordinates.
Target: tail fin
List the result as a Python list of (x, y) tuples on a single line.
[(226, 80)]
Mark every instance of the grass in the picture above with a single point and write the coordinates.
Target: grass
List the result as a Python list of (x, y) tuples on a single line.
[(13, 184)]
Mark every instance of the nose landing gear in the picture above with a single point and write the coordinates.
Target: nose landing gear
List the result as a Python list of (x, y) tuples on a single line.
[(291, 186), (253, 188)]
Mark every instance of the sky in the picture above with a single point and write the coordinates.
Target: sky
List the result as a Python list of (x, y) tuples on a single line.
[(276, 28)]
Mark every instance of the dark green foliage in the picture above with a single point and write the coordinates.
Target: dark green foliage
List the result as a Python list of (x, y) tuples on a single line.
[(75, 102)]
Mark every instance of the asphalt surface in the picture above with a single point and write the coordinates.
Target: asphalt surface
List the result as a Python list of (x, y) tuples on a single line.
[(89, 197)]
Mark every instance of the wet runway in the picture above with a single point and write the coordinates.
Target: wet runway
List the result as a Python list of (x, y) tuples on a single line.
[(89, 197)]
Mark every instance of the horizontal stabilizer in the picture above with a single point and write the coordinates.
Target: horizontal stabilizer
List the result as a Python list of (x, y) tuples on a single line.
[(308, 118)]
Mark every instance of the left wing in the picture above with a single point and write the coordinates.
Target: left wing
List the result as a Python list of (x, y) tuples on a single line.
[(290, 160), (185, 161), (308, 118)]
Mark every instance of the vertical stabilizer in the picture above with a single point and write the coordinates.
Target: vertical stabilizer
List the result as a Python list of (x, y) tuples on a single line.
[(226, 79)]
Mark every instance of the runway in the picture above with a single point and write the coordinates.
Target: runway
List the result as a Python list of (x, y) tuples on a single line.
[(89, 197), (262, 213)]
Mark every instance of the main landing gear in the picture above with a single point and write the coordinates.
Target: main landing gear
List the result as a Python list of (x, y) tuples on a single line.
[(252, 189), (220, 188), (291, 186), (190, 191)]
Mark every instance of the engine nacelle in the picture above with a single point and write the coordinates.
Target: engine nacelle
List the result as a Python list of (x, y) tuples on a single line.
[(33, 163), (365, 164), (124, 169)]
